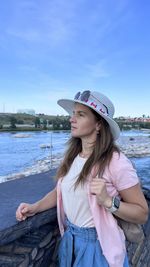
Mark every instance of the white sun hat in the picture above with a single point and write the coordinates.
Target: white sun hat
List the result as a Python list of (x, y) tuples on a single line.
[(96, 101)]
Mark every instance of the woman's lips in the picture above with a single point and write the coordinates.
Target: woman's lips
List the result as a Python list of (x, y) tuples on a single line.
[(73, 128)]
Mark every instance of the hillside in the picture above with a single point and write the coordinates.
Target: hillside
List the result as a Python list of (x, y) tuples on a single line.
[(15, 121)]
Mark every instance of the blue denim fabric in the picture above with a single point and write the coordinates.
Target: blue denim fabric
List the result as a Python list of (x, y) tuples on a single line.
[(80, 247)]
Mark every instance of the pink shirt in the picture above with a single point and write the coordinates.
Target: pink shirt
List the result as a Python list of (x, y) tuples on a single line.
[(119, 175)]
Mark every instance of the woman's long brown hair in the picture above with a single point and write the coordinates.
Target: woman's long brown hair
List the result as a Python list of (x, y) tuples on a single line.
[(100, 157)]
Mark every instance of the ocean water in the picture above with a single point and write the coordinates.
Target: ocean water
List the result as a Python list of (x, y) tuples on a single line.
[(22, 150), (18, 153), (142, 166)]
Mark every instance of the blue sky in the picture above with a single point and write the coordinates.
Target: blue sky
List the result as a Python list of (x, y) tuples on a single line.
[(51, 49)]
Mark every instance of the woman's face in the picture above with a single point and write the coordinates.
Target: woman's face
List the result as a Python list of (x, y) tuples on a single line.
[(83, 122)]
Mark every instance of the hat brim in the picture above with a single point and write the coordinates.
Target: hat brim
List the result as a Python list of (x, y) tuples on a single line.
[(68, 105)]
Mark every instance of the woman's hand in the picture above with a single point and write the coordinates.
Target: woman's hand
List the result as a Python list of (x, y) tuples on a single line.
[(98, 188), (25, 210)]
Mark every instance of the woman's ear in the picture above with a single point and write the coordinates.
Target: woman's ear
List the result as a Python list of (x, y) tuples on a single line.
[(98, 126)]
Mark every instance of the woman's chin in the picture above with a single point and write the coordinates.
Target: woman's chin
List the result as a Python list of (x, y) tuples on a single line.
[(73, 134)]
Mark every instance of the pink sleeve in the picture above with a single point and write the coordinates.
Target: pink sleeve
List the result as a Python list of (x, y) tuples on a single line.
[(123, 174)]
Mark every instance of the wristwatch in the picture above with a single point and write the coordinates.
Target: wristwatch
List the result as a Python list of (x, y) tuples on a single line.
[(115, 205)]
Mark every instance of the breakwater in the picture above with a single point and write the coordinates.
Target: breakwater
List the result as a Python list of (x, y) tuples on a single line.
[(32, 242)]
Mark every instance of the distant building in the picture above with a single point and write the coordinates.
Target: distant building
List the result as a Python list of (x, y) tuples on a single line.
[(26, 111)]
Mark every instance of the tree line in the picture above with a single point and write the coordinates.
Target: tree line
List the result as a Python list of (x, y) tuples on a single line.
[(40, 122), (47, 122)]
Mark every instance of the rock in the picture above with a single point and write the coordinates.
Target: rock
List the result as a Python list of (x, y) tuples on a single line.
[(46, 146), (131, 139), (21, 135)]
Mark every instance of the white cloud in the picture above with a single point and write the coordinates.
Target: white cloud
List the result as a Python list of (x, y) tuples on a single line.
[(97, 70)]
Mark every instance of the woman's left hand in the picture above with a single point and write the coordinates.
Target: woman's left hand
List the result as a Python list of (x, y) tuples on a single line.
[(98, 188)]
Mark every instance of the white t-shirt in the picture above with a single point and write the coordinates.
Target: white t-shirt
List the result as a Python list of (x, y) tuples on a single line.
[(75, 201), (119, 175)]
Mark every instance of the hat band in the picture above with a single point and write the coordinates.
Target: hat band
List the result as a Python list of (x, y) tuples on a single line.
[(92, 102)]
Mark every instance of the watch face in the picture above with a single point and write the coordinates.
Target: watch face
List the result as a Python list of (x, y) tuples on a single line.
[(116, 202), (115, 205)]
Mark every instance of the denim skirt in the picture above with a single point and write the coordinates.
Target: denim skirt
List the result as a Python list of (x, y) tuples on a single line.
[(80, 247)]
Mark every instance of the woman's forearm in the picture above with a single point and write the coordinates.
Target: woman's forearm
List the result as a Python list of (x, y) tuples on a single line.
[(133, 206), (132, 212), (47, 202)]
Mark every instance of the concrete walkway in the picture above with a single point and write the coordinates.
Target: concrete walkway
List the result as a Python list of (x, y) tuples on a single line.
[(27, 189)]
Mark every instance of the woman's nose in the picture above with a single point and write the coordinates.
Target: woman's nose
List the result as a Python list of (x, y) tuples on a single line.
[(73, 118)]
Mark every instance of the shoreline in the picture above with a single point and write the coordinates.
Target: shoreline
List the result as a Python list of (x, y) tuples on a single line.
[(135, 146), (40, 167), (131, 146)]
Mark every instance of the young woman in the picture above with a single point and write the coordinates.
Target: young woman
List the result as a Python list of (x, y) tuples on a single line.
[(95, 181)]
